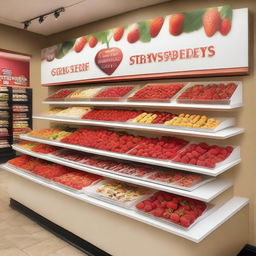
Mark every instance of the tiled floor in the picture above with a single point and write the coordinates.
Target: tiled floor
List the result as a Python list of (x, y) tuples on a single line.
[(20, 236)]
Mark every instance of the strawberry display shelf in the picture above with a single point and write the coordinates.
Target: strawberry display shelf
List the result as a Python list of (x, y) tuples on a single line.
[(231, 161), (224, 130), (206, 190), (217, 215), (231, 101)]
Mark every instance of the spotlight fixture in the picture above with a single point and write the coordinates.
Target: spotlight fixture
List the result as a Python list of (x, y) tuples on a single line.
[(42, 17), (26, 24)]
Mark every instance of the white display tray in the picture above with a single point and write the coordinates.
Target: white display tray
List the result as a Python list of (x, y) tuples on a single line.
[(231, 161), (219, 213), (206, 192)]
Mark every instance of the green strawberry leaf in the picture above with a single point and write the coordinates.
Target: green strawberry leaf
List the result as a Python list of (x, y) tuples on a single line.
[(64, 49), (102, 36), (226, 12), (144, 31), (193, 20)]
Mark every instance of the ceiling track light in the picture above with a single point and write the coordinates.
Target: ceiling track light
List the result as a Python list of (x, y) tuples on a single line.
[(42, 17)]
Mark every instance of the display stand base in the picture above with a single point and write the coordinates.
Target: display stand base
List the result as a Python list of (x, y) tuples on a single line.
[(248, 250), (57, 230)]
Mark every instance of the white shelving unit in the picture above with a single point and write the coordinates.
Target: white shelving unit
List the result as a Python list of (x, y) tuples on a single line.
[(168, 164), (222, 134), (174, 105), (217, 215), (206, 192)]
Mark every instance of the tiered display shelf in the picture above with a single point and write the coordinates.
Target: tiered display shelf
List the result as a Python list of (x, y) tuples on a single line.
[(217, 214), (206, 192)]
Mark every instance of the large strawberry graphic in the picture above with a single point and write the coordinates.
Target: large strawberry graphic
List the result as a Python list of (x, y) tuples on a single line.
[(211, 22), (155, 26), (118, 34), (108, 59), (176, 24), (93, 41), (225, 26), (79, 44), (134, 35)]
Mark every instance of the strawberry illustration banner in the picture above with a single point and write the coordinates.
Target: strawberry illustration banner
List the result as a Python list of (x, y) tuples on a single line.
[(202, 42)]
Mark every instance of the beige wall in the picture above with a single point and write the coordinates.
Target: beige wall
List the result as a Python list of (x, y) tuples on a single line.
[(244, 174), (25, 42)]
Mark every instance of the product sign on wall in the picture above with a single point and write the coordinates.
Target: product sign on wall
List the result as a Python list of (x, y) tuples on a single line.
[(202, 42), (14, 72)]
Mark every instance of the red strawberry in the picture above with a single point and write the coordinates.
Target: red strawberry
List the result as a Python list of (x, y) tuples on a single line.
[(211, 22), (225, 26), (155, 26), (118, 34), (159, 212), (175, 217), (134, 35), (185, 221), (93, 41), (172, 205), (148, 208), (79, 44), (140, 205), (176, 24)]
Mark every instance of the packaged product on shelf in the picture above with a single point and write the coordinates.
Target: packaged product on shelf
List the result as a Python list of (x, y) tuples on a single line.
[(4, 105), (20, 116), (4, 132), (157, 92), (113, 93), (27, 144), (54, 111), (84, 93), (20, 108), (4, 96), (120, 193), (50, 133), (208, 93), (177, 210), (4, 114), (4, 123), (4, 143), (19, 97), (112, 115), (20, 124), (19, 90), (73, 112), (60, 94)]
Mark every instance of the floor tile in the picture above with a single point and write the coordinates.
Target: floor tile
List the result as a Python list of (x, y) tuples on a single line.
[(12, 252)]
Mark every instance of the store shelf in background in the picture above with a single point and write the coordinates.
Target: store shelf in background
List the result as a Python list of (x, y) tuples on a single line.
[(206, 192), (168, 164), (172, 105), (222, 134), (217, 215)]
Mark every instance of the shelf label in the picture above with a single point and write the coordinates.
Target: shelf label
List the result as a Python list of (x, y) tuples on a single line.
[(203, 42)]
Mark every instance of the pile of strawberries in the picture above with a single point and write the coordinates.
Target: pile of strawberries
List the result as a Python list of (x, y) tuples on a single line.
[(77, 179), (203, 154), (176, 209), (61, 94), (44, 149), (157, 92), (111, 115), (162, 148), (58, 173), (114, 92), (162, 117), (103, 139), (209, 92)]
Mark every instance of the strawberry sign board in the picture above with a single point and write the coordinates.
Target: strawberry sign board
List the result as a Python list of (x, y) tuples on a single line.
[(203, 42)]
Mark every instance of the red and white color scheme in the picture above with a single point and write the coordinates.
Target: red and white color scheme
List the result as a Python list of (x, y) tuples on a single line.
[(202, 42)]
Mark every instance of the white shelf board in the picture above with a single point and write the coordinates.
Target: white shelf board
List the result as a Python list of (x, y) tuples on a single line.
[(222, 134), (174, 105), (168, 164), (206, 192), (219, 213)]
